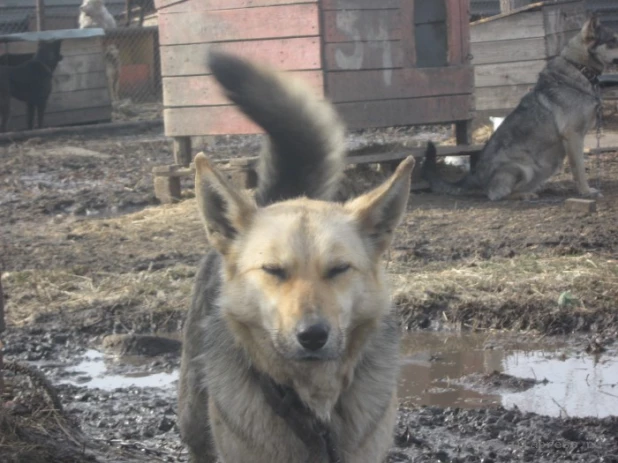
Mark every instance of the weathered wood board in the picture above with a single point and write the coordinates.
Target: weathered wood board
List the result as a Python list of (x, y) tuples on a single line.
[(388, 84), (412, 111), (187, 91), (517, 73), (239, 24), (286, 54)]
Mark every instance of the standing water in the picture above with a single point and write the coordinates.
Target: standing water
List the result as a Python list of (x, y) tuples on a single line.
[(471, 371)]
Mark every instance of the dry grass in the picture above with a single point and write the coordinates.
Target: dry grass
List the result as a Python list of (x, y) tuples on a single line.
[(35, 293), (524, 293), (31, 429)]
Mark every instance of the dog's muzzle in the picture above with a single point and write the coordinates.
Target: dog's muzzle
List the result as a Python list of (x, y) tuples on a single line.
[(313, 339)]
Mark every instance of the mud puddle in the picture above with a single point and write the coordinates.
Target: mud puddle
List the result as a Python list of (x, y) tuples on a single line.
[(554, 378), (98, 371)]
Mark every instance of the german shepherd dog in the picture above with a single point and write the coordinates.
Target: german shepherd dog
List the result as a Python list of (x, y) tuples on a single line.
[(30, 82), (548, 125), (290, 349)]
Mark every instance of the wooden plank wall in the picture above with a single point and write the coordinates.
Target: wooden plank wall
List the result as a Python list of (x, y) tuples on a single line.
[(562, 21), (510, 51), (371, 70), (283, 33), (80, 93)]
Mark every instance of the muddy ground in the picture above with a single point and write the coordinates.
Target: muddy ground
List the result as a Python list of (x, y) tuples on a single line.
[(87, 252)]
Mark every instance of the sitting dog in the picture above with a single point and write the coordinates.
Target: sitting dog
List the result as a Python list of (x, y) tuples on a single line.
[(93, 13), (143, 6), (548, 125), (30, 82), (291, 346), (112, 70)]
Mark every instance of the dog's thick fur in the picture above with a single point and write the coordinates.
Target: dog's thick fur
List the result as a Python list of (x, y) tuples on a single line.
[(30, 82), (548, 125), (283, 261), (94, 13)]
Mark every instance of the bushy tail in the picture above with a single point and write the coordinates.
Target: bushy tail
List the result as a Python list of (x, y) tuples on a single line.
[(307, 138), (430, 174)]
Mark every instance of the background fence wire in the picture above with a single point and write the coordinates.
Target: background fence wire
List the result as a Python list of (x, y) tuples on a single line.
[(139, 90)]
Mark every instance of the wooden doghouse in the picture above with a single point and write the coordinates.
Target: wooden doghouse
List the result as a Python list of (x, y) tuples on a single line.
[(509, 50), (381, 62), (80, 94)]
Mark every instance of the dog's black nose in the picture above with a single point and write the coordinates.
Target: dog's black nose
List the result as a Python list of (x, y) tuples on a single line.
[(313, 336)]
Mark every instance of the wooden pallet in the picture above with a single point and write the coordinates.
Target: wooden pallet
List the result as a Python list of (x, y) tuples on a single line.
[(242, 172)]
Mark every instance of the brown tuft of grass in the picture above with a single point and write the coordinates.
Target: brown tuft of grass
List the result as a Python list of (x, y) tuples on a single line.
[(521, 293), (35, 293)]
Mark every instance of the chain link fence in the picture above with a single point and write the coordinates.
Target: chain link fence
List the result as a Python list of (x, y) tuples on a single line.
[(119, 71)]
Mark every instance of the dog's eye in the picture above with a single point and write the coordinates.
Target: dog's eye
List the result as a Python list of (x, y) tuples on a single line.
[(337, 270), (275, 271)]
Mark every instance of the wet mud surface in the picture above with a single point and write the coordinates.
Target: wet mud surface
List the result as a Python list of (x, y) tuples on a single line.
[(464, 398), (95, 271)]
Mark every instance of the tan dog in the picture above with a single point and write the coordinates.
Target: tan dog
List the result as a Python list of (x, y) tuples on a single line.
[(291, 346), (112, 70)]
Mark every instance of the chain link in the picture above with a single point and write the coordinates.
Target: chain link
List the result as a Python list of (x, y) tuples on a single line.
[(599, 132)]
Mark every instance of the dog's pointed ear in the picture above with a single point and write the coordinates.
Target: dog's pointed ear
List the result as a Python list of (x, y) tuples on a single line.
[(590, 28), (379, 211), (226, 211)]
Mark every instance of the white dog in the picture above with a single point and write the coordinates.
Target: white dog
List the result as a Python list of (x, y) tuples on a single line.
[(93, 13)]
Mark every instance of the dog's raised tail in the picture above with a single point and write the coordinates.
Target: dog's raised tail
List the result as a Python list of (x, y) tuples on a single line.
[(430, 174), (306, 156)]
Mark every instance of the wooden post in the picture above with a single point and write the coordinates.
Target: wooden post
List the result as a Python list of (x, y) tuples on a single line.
[(506, 6), (2, 328), (40, 15), (463, 136), (182, 151)]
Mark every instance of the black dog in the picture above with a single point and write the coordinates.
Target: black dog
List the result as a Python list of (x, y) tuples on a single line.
[(143, 6), (30, 82)]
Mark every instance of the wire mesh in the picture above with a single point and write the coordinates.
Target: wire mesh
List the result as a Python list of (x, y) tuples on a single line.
[(607, 9), (126, 77)]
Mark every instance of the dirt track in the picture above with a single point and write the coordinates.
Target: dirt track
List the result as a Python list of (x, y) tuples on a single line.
[(87, 252)]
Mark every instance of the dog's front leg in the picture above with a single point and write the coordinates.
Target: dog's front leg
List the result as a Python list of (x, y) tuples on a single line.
[(5, 113), (574, 147), (40, 112), (30, 116)]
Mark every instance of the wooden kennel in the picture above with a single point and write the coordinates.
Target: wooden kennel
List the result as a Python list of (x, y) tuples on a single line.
[(80, 93), (381, 62)]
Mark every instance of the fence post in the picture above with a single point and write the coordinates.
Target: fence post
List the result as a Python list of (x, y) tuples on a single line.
[(2, 328), (506, 6), (40, 15)]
